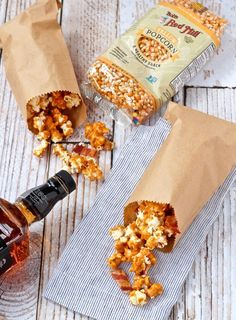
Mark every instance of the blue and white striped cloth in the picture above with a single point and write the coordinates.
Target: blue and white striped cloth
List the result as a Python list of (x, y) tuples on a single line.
[(82, 281)]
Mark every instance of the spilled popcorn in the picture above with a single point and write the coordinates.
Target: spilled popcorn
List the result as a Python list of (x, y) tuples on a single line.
[(52, 125), (99, 136), (80, 160), (155, 224)]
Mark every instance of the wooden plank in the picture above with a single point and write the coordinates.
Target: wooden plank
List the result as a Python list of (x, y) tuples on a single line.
[(19, 171), (82, 25), (3, 10)]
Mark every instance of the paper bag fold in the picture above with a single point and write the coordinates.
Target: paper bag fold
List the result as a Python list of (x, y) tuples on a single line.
[(36, 57), (193, 162)]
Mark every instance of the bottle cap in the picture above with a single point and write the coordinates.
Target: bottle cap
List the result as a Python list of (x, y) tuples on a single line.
[(66, 181)]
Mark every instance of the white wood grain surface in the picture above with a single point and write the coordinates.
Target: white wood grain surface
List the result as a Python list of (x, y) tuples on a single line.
[(89, 27)]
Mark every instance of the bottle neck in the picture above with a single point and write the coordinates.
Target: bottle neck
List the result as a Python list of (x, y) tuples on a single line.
[(36, 203), (28, 215)]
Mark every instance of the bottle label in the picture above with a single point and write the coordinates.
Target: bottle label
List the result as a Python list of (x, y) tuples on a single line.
[(39, 199), (5, 257)]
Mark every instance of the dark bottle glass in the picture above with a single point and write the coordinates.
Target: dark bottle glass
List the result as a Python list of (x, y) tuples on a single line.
[(31, 206)]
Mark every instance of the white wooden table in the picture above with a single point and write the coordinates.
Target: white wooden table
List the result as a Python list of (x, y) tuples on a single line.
[(89, 27)]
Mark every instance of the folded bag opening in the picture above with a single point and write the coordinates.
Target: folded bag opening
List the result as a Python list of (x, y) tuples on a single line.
[(131, 214)]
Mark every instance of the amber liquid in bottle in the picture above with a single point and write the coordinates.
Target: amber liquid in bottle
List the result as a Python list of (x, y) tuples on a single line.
[(30, 207)]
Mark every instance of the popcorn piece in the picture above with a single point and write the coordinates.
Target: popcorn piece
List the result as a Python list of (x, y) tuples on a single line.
[(44, 102), (120, 247), (72, 100), (39, 122), (132, 229), (117, 232), (142, 262), (122, 280), (43, 135), (38, 104), (152, 243), (155, 290), (153, 222), (141, 282), (161, 237), (129, 254), (58, 117), (41, 149), (67, 129), (57, 100), (135, 243), (77, 163), (92, 171), (56, 135), (49, 123), (99, 136), (62, 153), (140, 215), (123, 239), (63, 122), (35, 104), (138, 297), (115, 260)]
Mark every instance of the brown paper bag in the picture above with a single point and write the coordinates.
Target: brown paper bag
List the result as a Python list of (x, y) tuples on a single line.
[(193, 162), (36, 57)]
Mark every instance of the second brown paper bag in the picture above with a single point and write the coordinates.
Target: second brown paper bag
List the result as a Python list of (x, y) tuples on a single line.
[(193, 162)]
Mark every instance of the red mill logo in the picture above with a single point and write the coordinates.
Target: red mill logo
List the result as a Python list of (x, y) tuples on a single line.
[(183, 28)]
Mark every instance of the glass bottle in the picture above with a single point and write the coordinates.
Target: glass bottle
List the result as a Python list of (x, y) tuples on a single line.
[(31, 206)]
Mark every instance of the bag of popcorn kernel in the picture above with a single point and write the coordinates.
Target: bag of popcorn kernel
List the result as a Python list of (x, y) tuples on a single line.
[(40, 72), (192, 163), (156, 57)]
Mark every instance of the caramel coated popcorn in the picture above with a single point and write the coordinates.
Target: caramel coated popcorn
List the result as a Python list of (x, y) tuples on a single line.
[(84, 156), (155, 224), (99, 136), (138, 297), (78, 163), (48, 118)]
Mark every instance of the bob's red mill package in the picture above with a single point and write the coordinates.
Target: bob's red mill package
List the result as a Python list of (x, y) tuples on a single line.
[(161, 52), (40, 72), (193, 162)]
